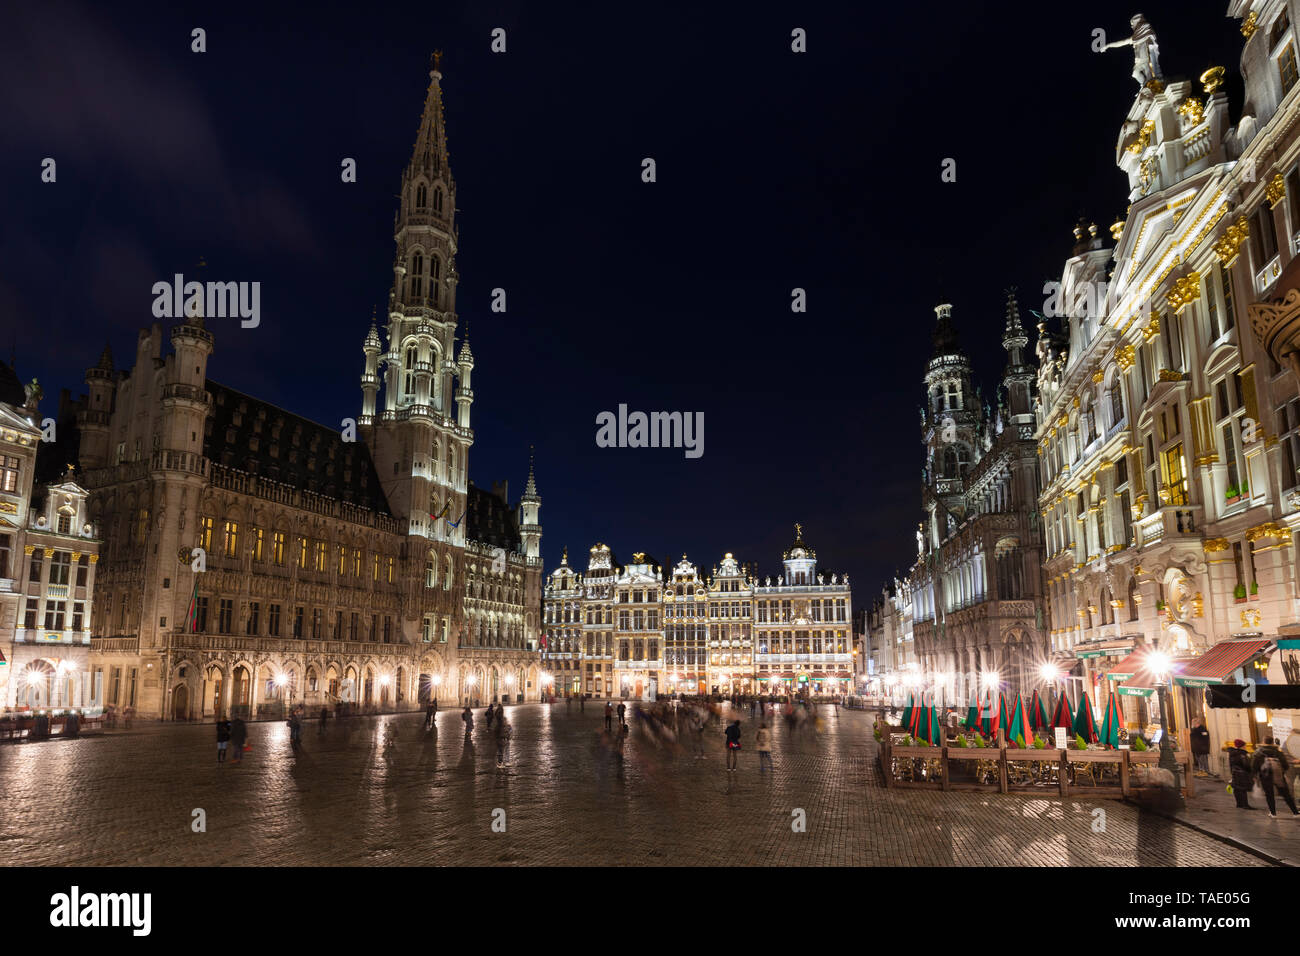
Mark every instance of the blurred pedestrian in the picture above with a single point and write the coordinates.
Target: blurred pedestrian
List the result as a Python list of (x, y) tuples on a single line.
[(733, 744), (1201, 745), (428, 715), (295, 731), (1242, 778), (503, 739), (238, 734), (467, 716), (488, 714), (609, 716), (622, 713), (763, 743), (324, 719), (223, 739), (1271, 764)]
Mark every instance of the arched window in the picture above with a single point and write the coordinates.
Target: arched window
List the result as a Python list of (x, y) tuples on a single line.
[(1107, 612), (417, 275), (451, 572), (437, 199), (1116, 401), (421, 196), (435, 456), (451, 463), (411, 355), (435, 286)]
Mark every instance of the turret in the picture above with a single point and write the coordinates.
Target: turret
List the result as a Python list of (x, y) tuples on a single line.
[(464, 394), (530, 531), (92, 421), (372, 348)]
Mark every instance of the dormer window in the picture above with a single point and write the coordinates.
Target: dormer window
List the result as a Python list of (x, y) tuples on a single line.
[(1280, 26)]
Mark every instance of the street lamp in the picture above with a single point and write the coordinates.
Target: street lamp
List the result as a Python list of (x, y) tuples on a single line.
[(1159, 665)]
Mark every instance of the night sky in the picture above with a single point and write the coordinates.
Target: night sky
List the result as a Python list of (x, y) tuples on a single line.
[(775, 170)]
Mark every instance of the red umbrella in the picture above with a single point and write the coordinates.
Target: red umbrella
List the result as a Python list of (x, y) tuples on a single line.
[(1085, 725), (1062, 717), (1037, 713)]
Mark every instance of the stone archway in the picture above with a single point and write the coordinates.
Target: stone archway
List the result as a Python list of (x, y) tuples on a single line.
[(180, 709), (212, 701)]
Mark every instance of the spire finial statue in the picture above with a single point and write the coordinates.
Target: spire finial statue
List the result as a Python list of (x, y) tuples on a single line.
[(434, 59), (1146, 51)]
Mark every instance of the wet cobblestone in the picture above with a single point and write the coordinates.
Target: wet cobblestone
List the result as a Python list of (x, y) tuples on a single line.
[(127, 799)]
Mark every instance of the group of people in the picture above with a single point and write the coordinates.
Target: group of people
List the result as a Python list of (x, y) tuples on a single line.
[(1268, 767), (231, 734), (493, 715)]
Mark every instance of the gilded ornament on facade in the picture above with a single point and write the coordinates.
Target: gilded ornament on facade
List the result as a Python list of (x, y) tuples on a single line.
[(1098, 376), (1275, 192), (1192, 109), (1250, 25), (1125, 356), (1212, 79), (1152, 329), (1229, 246), (1144, 138), (1213, 545), (1269, 529), (1198, 605), (1250, 617), (1185, 291)]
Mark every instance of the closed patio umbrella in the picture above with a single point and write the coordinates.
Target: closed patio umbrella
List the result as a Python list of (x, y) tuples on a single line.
[(907, 711), (1061, 716), (1112, 722), (1085, 725), (973, 714), (1018, 726), (1037, 713)]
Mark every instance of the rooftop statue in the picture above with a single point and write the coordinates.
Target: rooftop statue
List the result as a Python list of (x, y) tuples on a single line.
[(1146, 51)]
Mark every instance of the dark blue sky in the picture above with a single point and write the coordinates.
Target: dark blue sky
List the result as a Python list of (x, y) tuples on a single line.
[(775, 171)]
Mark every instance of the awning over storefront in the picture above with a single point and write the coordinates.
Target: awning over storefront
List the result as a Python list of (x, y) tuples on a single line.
[(1218, 663), (1104, 649), (1131, 666)]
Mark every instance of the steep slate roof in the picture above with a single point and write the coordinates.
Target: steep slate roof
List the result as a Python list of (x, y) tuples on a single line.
[(256, 436), (11, 388), (491, 520)]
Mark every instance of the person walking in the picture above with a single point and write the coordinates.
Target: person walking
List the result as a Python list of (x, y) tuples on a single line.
[(733, 745), (697, 728), (1201, 746), (503, 739), (763, 742), (295, 731), (223, 739), (582, 704), (622, 713), (238, 734), (1271, 764), (609, 716), (489, 715), (1242, 778), (428, 715), (467, 716), (324, 719), (1292, 748)]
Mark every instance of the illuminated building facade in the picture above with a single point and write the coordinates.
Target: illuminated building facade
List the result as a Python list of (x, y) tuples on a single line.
[(1168, 419), (49, 550), (360, 566), (630, 632)]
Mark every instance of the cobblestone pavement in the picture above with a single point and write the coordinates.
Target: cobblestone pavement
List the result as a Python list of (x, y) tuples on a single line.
[(125, 799)]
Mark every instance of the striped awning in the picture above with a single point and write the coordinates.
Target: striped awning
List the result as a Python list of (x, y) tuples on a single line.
[(1218, 663)]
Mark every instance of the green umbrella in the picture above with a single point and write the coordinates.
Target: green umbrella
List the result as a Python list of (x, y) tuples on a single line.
[(1113, 721), (907, 711), (930, 729), (1019, 725), (1085, 725), (1037, 713), (1061, 716), (973, 714), (1004, 715)]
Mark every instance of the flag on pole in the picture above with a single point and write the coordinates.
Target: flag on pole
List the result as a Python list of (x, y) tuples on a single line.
[(192, 615)]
